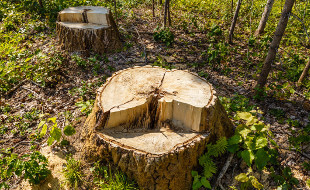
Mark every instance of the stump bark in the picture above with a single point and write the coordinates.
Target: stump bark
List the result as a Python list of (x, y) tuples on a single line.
[(87, 28), (154, 123)]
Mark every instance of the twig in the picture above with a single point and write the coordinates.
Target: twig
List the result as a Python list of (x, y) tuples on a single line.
[(34, 93), (294, 150), (305, 30), (224, 169), (15, 88)]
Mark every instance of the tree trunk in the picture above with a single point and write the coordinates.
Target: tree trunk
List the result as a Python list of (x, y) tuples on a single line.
[(153, 8), (304, 73), (87, 28), (154, 123), (40, 3), (275, 43), (264, 18), (233, 23), (166, 12), (169, 18)]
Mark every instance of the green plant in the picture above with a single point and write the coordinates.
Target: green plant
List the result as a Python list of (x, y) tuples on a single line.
[(209, 167), (73, 172), (162, 63), (300, 137), (164, 35), (286, 180), (106, 179), (236, 103), (85, 106), (250, 141), (248, 180), (32, 167), (55, 132)]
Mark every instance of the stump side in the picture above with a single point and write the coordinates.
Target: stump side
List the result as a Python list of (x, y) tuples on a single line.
[(87, 31), (170, 170)]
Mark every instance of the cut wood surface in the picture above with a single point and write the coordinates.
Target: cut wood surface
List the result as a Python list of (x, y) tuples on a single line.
[(87, 28), (153, 123)]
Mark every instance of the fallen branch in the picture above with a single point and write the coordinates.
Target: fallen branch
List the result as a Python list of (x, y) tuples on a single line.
[(15, 88), (223, 171)]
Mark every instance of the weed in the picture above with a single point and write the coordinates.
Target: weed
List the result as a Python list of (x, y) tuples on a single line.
[(164, 35), (73, 172), (286, 180), (209, 167), (55, 132), (32, 167)]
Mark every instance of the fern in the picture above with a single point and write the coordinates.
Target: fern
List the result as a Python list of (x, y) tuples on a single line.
[(217, 149), (209, 167)]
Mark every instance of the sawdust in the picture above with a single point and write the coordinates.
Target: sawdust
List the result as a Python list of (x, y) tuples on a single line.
[(56, 180)]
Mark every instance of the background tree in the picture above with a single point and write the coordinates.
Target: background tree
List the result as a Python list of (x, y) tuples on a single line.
[(264, 18), (233, 23), (275, 43), (304, 73)]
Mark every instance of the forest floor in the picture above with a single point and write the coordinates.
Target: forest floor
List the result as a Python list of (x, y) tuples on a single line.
[(75, 81)]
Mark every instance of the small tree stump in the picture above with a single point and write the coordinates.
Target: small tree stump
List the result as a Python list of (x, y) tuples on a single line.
[(154, 123), (87, 28)]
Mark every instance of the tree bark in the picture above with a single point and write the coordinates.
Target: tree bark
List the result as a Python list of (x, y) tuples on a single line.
[(304, 73), (166, 12), (153, 8), (264, 18), (87, 28), (262, 80), (40, 3), (154, 123), (233, 23), (169, 18)]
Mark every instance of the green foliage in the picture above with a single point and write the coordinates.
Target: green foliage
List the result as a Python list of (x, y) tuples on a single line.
[(85, 106), (32, 167), (73, 172), (106, 179), (164, 35), (248, 180), (162, 63), (236, 103), (50, 124), (286, 180), (300, 137), (250, 141), (209, 167)]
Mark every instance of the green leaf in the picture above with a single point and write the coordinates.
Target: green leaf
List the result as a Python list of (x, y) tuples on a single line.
[(245, 115), (249, 143), (197, 185), (261, 158), (50, 141), (243, 178), (205, 182), (248, 157), (43, 131), (234, 140), (194, 173), (52, 119), (56, 133), (69, 130), (255, 183), (233, 148), (41, 124), (259, 127), (244, 132), (64, 142), (260, 142)]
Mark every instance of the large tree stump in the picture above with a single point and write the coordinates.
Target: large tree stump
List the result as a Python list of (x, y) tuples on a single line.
[(87, 28), (154, 123)]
